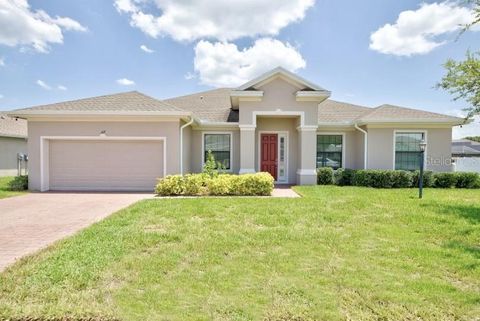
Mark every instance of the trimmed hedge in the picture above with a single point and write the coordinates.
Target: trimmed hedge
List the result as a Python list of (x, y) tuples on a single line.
[(259, 184), (445, 180), (325, 176), (396, 178)]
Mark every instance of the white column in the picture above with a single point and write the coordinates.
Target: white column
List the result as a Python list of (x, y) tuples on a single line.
[(247, 149), (307, 141)]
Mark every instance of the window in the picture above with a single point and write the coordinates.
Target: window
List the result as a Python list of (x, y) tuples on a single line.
[(329, 151), (220, 146), (407, 150)]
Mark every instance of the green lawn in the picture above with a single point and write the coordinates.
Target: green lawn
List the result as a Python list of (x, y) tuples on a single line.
[(4, 190), (336, 254)]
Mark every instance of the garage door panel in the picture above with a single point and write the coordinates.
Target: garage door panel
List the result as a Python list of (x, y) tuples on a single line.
[(105, 165)]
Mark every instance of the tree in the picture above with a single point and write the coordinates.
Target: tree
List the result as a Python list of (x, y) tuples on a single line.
[(463, 81), (463, 77), (474, 138)]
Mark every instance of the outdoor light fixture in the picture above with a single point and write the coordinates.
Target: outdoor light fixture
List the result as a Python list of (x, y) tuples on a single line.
[(103, 133), (423, 146)]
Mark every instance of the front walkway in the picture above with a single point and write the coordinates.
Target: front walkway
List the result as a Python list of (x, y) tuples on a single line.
[(284, 191), (31, 222)]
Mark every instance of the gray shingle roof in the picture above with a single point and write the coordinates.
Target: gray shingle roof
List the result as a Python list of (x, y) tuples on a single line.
[(215, 106), (465, 147), (331, 111), (212, 105), (128, 101), (390, 112), (12, 127)]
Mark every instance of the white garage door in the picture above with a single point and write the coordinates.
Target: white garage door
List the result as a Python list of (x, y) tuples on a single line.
[(105, 165)]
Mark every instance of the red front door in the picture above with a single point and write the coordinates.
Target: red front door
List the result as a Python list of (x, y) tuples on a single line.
[(269, 154)]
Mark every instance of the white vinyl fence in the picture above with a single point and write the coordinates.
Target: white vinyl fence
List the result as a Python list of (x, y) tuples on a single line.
[(467, 164)]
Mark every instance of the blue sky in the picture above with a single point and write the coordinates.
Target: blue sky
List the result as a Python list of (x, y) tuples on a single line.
[(327, 42)]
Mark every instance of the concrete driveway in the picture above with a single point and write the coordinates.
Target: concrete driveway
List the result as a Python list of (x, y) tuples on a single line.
[(33, 221)]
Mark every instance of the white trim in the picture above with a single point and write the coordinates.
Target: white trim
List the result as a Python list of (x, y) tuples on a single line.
[(257, 113), (303, 172), (307, 128), (246, 171), (413, 131), (97, 113), (287, 148), (247, 127), (311, 95), (44, 143), (181, 143), (217, 124), (365, 146), (344, 145), (246, 93), (218, 133)]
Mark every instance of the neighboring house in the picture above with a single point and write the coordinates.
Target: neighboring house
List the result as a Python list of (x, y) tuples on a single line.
[(13, 141), (278, 122), (466, 155)]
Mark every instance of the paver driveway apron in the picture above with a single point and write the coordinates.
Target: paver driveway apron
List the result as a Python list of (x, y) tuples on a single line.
[(31, 222)]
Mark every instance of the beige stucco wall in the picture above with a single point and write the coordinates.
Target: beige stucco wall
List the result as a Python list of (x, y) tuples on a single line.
[(196, 155), (381, 148), (36, 129), (9, 147), (187, 149), (439, 149), (279, 95)]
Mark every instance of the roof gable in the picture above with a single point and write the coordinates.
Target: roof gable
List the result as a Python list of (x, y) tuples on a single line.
[(279, 72)]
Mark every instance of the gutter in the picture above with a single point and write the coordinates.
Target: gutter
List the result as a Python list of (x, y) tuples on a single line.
[(181, 143), (365, 147)]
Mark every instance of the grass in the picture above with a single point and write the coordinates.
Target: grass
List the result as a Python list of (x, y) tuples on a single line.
[(336, 254), (4, 189)]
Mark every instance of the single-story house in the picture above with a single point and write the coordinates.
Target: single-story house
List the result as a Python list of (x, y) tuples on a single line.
[(13, 141), (466, 155), (278, 122)]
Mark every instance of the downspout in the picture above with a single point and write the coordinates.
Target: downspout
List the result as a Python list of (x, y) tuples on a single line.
[(181, 143), (365, 156)]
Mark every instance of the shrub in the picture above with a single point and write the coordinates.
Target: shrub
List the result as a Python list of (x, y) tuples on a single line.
[(344, 177), (260, 184), (172, 185), (222, 185), (428, 179), (19, 183), (402, 179), (196, 184), (374, 178), (325, 176), (467, 180), (445, 180)]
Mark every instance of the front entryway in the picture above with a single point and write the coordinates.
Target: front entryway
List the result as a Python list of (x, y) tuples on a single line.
[(269, 154)]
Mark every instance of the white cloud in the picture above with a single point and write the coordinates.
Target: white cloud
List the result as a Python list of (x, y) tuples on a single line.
[(21, 26), (44, 85), (125, 82), (2, 61), (420, 31), (190, 76), (190, 20), (222, 64), (146, 49), (61, 87)]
